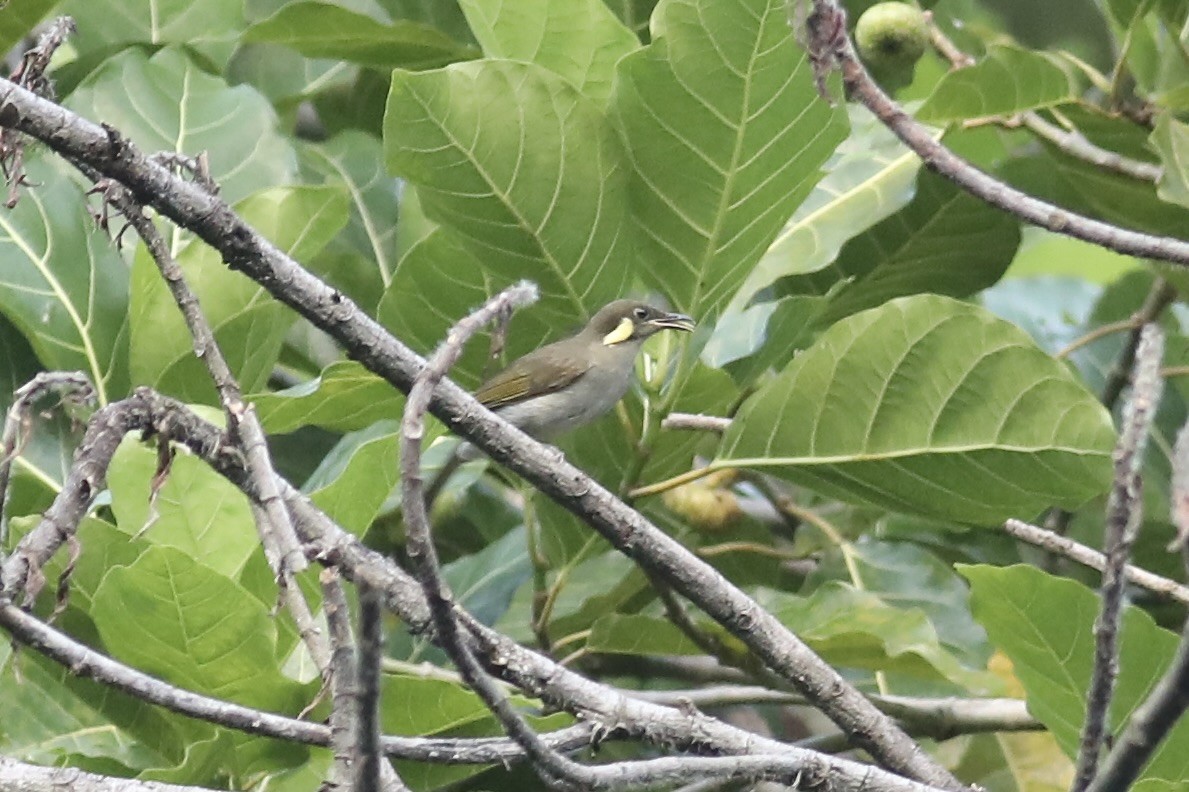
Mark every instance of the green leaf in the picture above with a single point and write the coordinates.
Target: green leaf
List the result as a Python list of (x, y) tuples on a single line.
[(62, 282), (209, 28), (908, 576), (856, 629), (46, 718), (166, 103), (1045, 624), (580, 40), (19, 19), (326, 30), (484, 582), (726, 136), (345, 398), (196, 511), (249, 325), (945, 241), (870, 176), (637, 634), (525, 170), (1008, 80), (193, 627), (1170, 138), (929, 406), (361, 260), (357, 477)]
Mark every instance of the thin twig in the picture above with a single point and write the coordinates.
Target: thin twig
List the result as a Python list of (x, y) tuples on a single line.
[(1076, 144), (343, 681), (367, 722), (18, 424), (696, 422), (1160, 711), (1071, 142), (1159, 297), (1089, 557), (1123, 517)]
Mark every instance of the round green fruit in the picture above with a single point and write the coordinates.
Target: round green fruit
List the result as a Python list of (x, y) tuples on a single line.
[(892, 35)]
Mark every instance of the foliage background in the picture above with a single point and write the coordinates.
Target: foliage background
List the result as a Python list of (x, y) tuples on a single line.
[(888, 345)]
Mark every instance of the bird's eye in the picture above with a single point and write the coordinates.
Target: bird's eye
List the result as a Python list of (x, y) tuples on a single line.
[(640, 313)]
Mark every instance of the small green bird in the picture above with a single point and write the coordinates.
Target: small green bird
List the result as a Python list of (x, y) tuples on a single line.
[(571, 382)]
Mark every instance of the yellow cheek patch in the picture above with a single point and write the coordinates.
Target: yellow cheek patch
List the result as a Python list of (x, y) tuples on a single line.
[(622, 332)]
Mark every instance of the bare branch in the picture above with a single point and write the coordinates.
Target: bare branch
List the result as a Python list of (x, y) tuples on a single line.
[(1076, 145), (1160, 711), (1088, 556), (697, 423), (18, 424), (20, 777), (1123, 516), (85, 662), (367, 729)]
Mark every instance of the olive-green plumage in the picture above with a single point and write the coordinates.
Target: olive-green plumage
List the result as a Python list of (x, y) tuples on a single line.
[(571, 382)]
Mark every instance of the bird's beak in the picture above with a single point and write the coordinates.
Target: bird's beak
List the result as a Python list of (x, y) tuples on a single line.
[(674, 321)]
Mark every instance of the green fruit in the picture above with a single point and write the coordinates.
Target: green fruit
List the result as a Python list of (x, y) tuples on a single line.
[(892, 35)]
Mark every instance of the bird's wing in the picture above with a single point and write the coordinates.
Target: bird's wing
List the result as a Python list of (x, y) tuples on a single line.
[(535, 374)]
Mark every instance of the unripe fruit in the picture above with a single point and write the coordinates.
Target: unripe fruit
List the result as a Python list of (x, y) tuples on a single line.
[(708, 505), (892, 36)]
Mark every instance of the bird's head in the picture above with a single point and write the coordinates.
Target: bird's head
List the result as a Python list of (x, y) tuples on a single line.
[(632, 320)]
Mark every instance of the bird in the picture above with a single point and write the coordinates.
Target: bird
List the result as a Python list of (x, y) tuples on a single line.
[(569, 383)]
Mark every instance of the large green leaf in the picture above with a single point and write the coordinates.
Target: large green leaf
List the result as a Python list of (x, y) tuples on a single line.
[(362, 259), (166, 103), (945, 242), (930, 406), (908, 576), (1006, 81), (726, 135), (196, 510), (1045, 624), (47, 721), (856, 629), (326, 30), (62, 282), (524, 169), (249, 325), (637, 634), (209, 27), (871, 175), (581, 40), (193, 627)]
